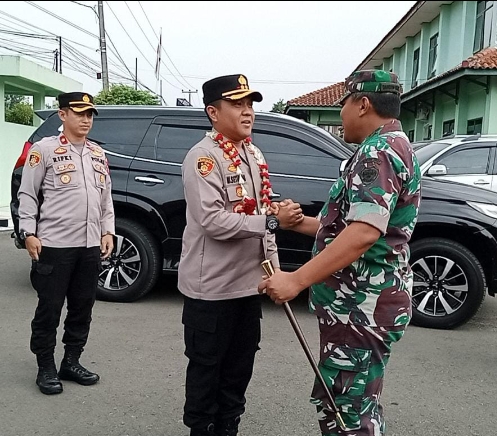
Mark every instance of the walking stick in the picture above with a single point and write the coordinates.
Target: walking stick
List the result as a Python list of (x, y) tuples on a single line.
[(267, 266)]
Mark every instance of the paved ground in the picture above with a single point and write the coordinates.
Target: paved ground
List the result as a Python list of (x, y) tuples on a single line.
[(439, 383)]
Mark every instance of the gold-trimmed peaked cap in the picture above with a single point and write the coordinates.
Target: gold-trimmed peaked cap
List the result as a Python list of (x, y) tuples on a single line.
[(77, 101), (231, 87)]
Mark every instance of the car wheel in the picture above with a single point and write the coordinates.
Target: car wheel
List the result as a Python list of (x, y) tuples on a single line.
[(134, 266), (449, 283)]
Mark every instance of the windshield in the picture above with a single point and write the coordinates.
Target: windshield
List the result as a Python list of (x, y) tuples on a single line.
[(428, 151)]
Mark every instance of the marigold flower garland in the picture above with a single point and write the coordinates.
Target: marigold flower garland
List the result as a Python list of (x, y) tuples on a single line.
[(248, 204)]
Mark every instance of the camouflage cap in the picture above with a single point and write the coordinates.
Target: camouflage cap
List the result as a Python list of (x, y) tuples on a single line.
[(371, 81)]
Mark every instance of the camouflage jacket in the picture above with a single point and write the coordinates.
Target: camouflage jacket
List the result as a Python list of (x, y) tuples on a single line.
[(380, 186)]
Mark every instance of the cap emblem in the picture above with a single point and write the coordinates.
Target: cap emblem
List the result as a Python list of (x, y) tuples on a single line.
[(86, 99), (242, 80)]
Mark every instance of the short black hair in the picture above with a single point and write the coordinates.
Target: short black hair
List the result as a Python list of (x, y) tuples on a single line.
[(385, 104)]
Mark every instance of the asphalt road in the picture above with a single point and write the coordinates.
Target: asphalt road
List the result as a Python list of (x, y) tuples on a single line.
[(438, 383)]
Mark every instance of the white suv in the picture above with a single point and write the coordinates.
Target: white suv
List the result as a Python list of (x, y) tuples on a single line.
[(468, 159)]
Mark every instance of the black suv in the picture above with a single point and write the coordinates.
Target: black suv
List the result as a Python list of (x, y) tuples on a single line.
[(454, 246)]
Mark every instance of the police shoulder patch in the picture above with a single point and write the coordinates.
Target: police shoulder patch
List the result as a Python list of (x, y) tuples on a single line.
[(205, 165), (34, 158)]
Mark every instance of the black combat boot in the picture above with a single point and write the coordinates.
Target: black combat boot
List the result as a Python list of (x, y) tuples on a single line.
[(71, 369), (206, 431), (47, 379), (228, 427)]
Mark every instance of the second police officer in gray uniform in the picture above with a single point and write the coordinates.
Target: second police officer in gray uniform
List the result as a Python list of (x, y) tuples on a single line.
[(67, 224)]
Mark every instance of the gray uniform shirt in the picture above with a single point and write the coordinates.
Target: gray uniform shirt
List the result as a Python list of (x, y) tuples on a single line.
[(77, 206), (222, 249)]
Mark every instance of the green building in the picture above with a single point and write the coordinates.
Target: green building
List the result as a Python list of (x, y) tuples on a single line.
[(445, 55)]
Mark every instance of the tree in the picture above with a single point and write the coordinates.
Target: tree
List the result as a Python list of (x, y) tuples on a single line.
[(18, 110), (13, 99), (120, 94), (279, 107)]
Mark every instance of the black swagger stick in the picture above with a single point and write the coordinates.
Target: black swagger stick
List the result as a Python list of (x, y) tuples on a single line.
[(268, 268)]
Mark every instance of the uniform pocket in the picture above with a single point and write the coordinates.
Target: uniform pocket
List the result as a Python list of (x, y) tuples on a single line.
[(348, 370), (100, 174), (65, 175), (200, 337), (234, 193), (40, 275), (100, 180)]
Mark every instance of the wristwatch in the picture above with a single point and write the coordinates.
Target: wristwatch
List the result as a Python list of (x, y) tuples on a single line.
[(24, 235), (272, 223)]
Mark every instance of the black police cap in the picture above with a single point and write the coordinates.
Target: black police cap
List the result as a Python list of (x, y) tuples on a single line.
[(232, 87), (77, 101)]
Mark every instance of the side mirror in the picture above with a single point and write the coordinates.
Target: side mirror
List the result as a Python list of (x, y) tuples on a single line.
[(437, 170)]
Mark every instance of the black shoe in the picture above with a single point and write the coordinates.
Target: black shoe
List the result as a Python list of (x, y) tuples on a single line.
[(206, 431), (228, 427), (48, 381), (73, 371)]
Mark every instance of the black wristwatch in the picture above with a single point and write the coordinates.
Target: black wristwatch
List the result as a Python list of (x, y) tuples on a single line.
[(23, 235), (272, 223)]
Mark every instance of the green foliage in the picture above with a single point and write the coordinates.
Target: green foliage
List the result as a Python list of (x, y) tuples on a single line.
[(120, 94), (12, 99), (19, 113), (279, 107)]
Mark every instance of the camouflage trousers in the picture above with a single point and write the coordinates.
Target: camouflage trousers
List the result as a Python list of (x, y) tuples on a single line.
[(352, 362)]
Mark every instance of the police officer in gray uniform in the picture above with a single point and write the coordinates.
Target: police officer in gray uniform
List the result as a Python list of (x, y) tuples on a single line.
[(67, 224), (227, 236)]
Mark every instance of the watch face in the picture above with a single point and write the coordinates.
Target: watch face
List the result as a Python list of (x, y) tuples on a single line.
[(272, 223)]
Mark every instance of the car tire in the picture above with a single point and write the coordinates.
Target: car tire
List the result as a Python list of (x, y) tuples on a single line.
[(134, 266), (449, 283)]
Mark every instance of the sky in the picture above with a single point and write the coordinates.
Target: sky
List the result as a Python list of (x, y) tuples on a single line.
[(286, 49)]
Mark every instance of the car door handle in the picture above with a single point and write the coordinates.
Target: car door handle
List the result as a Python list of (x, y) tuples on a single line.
[(274, 195), (481, 182), (149, 180)]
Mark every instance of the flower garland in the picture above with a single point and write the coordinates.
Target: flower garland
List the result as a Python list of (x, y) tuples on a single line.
[(248, 205)]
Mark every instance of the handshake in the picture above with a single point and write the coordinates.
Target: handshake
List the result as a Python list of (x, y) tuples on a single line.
[(289, 214)]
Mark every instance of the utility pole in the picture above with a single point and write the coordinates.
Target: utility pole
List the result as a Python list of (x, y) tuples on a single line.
[(60, 54), (103, 48), (189, 92)]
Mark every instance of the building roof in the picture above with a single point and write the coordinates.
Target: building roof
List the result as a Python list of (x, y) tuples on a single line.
[(485, 59), (328, 96)]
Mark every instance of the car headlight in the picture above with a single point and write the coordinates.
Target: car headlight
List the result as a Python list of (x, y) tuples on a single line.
[(485, 208)]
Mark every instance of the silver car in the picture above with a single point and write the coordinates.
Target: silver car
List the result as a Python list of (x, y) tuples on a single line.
[(468, 159)]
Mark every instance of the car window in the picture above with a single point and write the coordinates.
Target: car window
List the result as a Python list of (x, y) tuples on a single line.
[(174, 142), (287, 155), (120, 135), (468, 161), (427, 151)]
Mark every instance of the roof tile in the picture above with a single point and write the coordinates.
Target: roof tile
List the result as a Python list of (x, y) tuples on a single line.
[(485, 59)]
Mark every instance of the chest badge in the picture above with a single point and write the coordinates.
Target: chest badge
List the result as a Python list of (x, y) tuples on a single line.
[(96, 152), (60, 150), (65, 178)]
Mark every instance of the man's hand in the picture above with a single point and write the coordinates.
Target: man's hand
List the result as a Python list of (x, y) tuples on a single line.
[(289, 213), (281, 287), (33, 245), (106, 246)]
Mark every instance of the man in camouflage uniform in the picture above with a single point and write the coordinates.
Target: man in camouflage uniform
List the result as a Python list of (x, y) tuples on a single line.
[(359, 277)]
